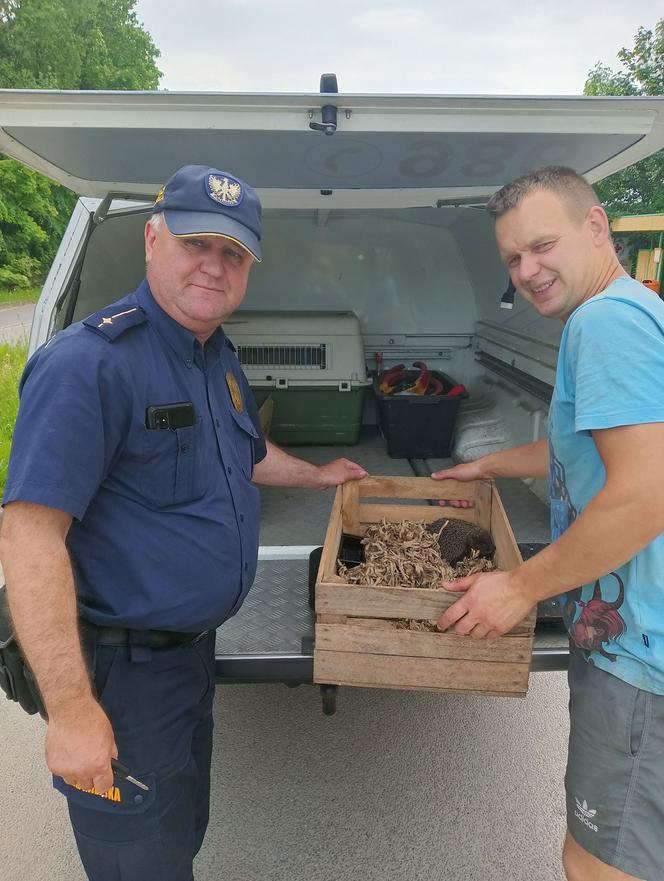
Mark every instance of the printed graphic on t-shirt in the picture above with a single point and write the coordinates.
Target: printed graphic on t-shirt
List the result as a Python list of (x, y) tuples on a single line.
[(596, 621), (563, 512)]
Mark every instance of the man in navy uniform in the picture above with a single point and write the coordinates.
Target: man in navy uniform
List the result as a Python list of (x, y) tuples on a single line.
[(131, 529)]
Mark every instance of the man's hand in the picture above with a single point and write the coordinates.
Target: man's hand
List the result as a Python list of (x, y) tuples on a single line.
[(279, 468), (339, 471), (79, 746), (493, 603), (464, 472)]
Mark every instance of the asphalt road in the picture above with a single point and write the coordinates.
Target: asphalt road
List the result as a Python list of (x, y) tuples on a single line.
[(15, 321), (396, 786)]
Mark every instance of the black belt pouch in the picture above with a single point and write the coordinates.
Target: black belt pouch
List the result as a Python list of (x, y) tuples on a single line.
[(16, 678)]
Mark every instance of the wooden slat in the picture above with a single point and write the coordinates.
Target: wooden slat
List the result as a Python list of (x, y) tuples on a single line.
[(370, 640), (328, 560), (359, 601), (417, 488), (522, 629), (382, 602), (354, 668), (483, 504), (350, 503), (427, 513), (508, 555), (364, 604), (326, 620), (457, 691), (372, 623)]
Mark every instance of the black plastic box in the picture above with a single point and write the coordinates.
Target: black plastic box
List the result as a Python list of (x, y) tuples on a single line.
[(419, 426)]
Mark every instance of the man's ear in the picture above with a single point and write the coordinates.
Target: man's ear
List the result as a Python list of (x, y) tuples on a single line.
[(150, 236), (598, 224)]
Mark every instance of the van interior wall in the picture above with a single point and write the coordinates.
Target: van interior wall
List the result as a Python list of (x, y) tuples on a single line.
[(412, 273), (473, 230), (425, 283)]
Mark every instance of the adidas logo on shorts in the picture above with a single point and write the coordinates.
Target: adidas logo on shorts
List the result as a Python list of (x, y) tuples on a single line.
[(585, 814)]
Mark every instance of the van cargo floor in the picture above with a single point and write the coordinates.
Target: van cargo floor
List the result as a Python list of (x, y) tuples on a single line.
[(271, 638)]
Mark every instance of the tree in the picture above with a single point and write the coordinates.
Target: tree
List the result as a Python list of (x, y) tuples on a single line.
[(638, 189), (28, 215), (75, 44), (59, 44)]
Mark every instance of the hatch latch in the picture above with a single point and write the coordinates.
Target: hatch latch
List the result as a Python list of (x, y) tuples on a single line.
[(328, 113)]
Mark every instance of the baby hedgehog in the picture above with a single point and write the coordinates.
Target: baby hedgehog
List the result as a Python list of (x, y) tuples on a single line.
[(459, 538)]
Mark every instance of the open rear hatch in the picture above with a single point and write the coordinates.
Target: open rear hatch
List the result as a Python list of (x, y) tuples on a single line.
[(387, 150)]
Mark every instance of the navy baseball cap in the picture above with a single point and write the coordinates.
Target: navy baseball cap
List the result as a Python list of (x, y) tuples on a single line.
[(202, 201)]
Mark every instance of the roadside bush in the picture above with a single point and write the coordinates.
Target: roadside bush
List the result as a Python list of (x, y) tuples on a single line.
[(12, 361)]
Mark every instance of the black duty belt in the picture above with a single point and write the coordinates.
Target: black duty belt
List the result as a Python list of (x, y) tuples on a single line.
[(153, 639)]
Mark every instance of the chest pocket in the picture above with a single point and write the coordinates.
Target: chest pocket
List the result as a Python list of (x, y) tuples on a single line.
[(244, 435), (172, 471)]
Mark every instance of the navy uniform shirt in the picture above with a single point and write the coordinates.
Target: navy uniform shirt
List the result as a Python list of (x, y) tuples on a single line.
[(165, 529)]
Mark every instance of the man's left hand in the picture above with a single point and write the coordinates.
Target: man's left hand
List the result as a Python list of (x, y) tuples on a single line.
[(339, 471), (493, 603)]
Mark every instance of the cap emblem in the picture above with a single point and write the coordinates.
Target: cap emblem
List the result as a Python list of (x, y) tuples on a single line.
[(160, 196), (225, 190)]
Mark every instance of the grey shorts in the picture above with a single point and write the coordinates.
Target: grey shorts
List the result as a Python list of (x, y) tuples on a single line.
[(615, 771)]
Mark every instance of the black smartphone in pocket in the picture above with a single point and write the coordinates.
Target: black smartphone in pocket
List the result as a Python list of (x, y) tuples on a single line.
[(165, 416)]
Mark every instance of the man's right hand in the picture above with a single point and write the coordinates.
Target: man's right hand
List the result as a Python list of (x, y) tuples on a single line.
[(463, 472), (80, 744)]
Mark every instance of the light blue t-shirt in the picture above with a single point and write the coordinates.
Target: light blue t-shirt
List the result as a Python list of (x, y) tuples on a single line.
[(610, 373)]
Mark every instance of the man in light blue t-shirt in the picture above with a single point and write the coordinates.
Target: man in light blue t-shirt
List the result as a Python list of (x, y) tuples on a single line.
[(605, 464)]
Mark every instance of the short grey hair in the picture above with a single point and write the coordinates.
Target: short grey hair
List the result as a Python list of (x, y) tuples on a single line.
[(558, 179), (157, 222)]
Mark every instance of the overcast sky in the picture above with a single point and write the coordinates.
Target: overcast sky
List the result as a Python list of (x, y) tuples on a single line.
[(424, 46)]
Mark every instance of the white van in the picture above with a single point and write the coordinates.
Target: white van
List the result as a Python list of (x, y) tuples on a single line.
[(374, 205)]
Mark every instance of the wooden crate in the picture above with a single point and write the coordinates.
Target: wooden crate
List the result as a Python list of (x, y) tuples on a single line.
[(357, 642)]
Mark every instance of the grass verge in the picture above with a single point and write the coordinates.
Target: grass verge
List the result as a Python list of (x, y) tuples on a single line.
[(12, 361), (25, 295)]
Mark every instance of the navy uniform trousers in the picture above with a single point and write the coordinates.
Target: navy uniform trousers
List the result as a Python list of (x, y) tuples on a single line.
[(160, 706)]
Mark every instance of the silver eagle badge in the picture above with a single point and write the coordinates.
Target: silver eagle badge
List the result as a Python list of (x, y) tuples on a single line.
[(224, 190)]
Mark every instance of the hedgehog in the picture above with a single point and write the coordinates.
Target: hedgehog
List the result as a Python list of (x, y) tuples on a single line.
[(459, 539)]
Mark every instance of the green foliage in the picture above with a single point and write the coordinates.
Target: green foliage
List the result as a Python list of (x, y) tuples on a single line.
[(640, 188), (59, 44), (75, 44), (33, 214), (12, 361)]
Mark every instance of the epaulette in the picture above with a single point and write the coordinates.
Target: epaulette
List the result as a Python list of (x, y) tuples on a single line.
[(111, 323)]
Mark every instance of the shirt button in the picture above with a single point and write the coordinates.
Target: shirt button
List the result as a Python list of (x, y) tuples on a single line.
[(241, 518), (138, 799), (188, 362), (229, 469), (246, 566), (184, 448), (217, 423)]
